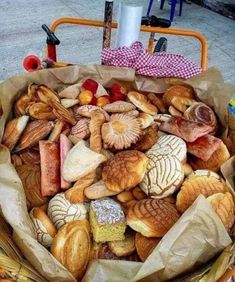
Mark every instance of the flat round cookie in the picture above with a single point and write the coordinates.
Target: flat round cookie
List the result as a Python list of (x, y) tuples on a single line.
[(163, 177)]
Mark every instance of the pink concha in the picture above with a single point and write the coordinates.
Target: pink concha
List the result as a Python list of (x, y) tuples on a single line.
[(81, 129)]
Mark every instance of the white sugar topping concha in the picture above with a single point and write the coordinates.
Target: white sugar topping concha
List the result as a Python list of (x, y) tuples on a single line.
[(107, 211), (61, 211), (81, 129), (163, 177), (42, 234), (170, 145)]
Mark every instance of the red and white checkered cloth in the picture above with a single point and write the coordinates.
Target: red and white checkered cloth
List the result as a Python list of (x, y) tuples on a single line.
[(156, 64)]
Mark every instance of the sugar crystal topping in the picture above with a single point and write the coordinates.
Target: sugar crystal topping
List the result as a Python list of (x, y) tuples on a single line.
[(107, 211)]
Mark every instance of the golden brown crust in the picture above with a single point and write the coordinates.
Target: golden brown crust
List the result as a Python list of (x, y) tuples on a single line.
[(16, 160), (30, 156), (101, 251), (196, 185), (142, 103), (125, 170), (223, 205), (145, 120), (122, 248), (145, 246), (147, 139), (97, 120), (174, 112), (125, 196), (214, 163), (182, 103), (177, 90), (158, 102), (138, 193), (41, 111), (119, 107), (187, 169), (71, 247), (152, 217), (31, 179), (55, 133)]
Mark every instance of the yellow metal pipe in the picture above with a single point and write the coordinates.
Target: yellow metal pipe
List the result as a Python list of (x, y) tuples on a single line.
[(171, 31)]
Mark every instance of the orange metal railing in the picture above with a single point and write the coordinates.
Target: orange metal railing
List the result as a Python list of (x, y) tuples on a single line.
[(171, 31)]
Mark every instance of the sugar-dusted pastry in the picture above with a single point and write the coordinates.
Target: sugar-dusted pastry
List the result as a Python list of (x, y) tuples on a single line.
[(80, 161), (200, 112), (147, 139), (152, 217), (186, 129), (158, 102), (214, 163), (81, 129), (76, 193), (97, 120), (124, 170), (170, 145), (13, 131), (61, 211), (107, 220), (71, 247), (65, 146), (223, 205), (98, 190), (50, 167), (86, 110), (145, 120), (44, 228), (121, 131), (142, 103), (33, 132), (122, 248), (195, 185), (174, 112), (31, 179), (163, 177), (204, 147), (182, 103), (145, 246), (119, 107), (177, 91)]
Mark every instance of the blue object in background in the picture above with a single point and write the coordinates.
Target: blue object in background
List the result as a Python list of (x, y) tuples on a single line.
[(172, 3)]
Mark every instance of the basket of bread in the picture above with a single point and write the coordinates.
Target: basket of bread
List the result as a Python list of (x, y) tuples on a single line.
[(108, 176)]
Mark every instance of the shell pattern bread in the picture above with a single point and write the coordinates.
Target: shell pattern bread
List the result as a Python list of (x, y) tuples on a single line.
[(170, 145), (61, 211), (196, 185), (163, 177)]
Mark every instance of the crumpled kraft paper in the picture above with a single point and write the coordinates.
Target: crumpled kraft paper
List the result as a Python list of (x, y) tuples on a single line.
[(161, 263)]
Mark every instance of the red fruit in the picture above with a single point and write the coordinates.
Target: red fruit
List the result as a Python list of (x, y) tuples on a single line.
[(118, 88), (90, 85), (117, 97), (86, 97)]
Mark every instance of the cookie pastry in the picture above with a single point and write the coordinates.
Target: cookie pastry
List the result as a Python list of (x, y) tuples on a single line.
[(81, 129), (125, 170), (97, 120), (121, 131), (61, 211), (163, 177)]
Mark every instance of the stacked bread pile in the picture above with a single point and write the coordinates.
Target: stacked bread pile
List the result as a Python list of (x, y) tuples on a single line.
[(107, 172)]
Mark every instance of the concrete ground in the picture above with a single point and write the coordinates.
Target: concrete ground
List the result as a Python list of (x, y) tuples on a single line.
[(21, 33)]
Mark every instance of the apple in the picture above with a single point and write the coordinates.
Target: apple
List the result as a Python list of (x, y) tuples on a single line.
[(90, 85)]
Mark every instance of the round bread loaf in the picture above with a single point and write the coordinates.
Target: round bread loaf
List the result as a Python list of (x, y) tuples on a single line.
[(170, 145), (71, 247), (177, 91), (163, 176), (152, 217), (141, 102), (61, 211), (124, 170)]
